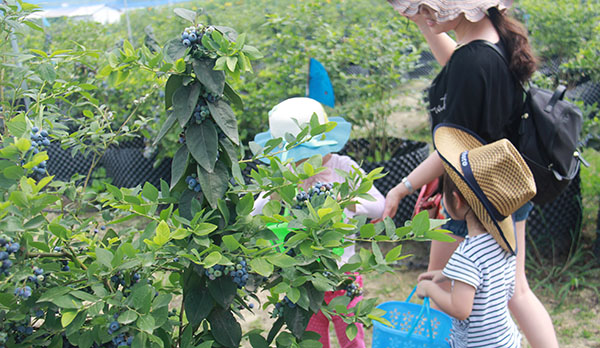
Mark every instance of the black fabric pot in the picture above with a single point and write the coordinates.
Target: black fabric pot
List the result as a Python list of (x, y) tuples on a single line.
[(553, 228), (63, 166), (128, 167), (406, 156)]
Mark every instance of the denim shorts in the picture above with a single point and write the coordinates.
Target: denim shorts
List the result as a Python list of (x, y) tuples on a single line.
[(459, 227)]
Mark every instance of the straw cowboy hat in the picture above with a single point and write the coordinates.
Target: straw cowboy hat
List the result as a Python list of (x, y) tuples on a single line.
[(493, 178), (285, 118), (446, 10)]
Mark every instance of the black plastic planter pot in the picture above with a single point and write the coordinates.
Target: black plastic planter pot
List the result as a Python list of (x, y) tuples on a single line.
[(63, 165), (553, 228)]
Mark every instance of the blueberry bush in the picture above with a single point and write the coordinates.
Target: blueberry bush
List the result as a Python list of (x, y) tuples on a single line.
[(179, 264)]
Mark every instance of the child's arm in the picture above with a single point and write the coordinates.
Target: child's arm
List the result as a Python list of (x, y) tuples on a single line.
[(458, 303), (435, 276)]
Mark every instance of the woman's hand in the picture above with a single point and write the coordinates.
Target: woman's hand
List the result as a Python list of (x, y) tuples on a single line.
[(392, 200)]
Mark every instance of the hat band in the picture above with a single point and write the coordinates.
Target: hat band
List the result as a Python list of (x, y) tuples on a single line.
[(470, 179)]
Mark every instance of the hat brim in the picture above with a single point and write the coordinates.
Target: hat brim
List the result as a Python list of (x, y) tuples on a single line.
[(474, 10), (451, 141), (340, 134)]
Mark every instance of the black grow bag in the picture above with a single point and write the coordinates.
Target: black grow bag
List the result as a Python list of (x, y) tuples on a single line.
[(128, 167), (553, 228)]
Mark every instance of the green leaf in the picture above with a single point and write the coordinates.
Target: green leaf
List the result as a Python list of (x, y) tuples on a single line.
[(282, 260), (146, 323), (197, 301), (185, 99), (202, 142), (162, 234), (226, 330), (245, 205), (179, 165), (231, 243), (257, 341), (215, 184), (225, 119), (47, 72), (104, 256), (296, 320), (393, 254), (186, 14), (17, 126), (173, 83), (233, 97), (53, 293), (165, 127), (213, 80), (439, 236), (367, 231), (261, 266), (420, 223), (223, 290), (351, 331), (175, 49), (127, 317), (67, 317), (212, 259), (150, 192)]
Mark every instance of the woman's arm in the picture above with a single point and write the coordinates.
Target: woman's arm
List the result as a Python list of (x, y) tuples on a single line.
[(425, 172), (458, 303), (442, 45)]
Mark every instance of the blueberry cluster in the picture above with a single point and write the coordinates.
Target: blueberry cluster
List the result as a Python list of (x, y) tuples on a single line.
[(278, 311), (9, 248), (353, 290), (17, 331), (193, 183), (39, 139), (118, 279), (238, 272), (201, 111), (65, 267), (192, 36), (37, 277), (211, 98), (318, 189), (23, 292)]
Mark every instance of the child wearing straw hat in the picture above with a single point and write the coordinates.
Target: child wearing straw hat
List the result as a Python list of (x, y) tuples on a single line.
[(285, 118), (484, 184)]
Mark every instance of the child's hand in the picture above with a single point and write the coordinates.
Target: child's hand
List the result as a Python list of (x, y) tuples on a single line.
[(434, 276), (422, 287)]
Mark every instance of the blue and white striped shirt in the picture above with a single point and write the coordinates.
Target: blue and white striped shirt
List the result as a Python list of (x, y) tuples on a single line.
[(480, 262)]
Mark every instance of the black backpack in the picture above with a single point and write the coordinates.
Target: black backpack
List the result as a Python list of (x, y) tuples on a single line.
[(548, 138)]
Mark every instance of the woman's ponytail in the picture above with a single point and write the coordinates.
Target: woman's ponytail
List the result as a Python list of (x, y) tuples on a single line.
[(514, 37)]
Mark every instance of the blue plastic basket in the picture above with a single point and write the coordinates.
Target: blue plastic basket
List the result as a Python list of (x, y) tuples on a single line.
[(414, 326)]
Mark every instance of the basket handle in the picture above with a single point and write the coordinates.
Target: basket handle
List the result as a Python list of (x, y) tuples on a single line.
[(424, 310)]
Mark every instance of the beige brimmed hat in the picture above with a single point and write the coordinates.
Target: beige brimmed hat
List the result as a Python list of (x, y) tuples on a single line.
[(446, 10), (493, 178)]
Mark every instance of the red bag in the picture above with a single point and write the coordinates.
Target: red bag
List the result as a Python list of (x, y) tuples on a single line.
[(430, 199)]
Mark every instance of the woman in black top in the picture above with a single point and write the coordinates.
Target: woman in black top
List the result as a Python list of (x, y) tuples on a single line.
[(477, 90)]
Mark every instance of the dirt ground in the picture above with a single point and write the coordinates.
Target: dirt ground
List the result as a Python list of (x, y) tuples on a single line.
[(577, 321)]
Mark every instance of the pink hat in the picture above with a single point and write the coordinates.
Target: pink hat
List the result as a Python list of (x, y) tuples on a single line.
[(446, 10)]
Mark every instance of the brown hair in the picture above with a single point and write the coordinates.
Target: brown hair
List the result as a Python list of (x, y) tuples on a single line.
[(522, 61), (449, 187)]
